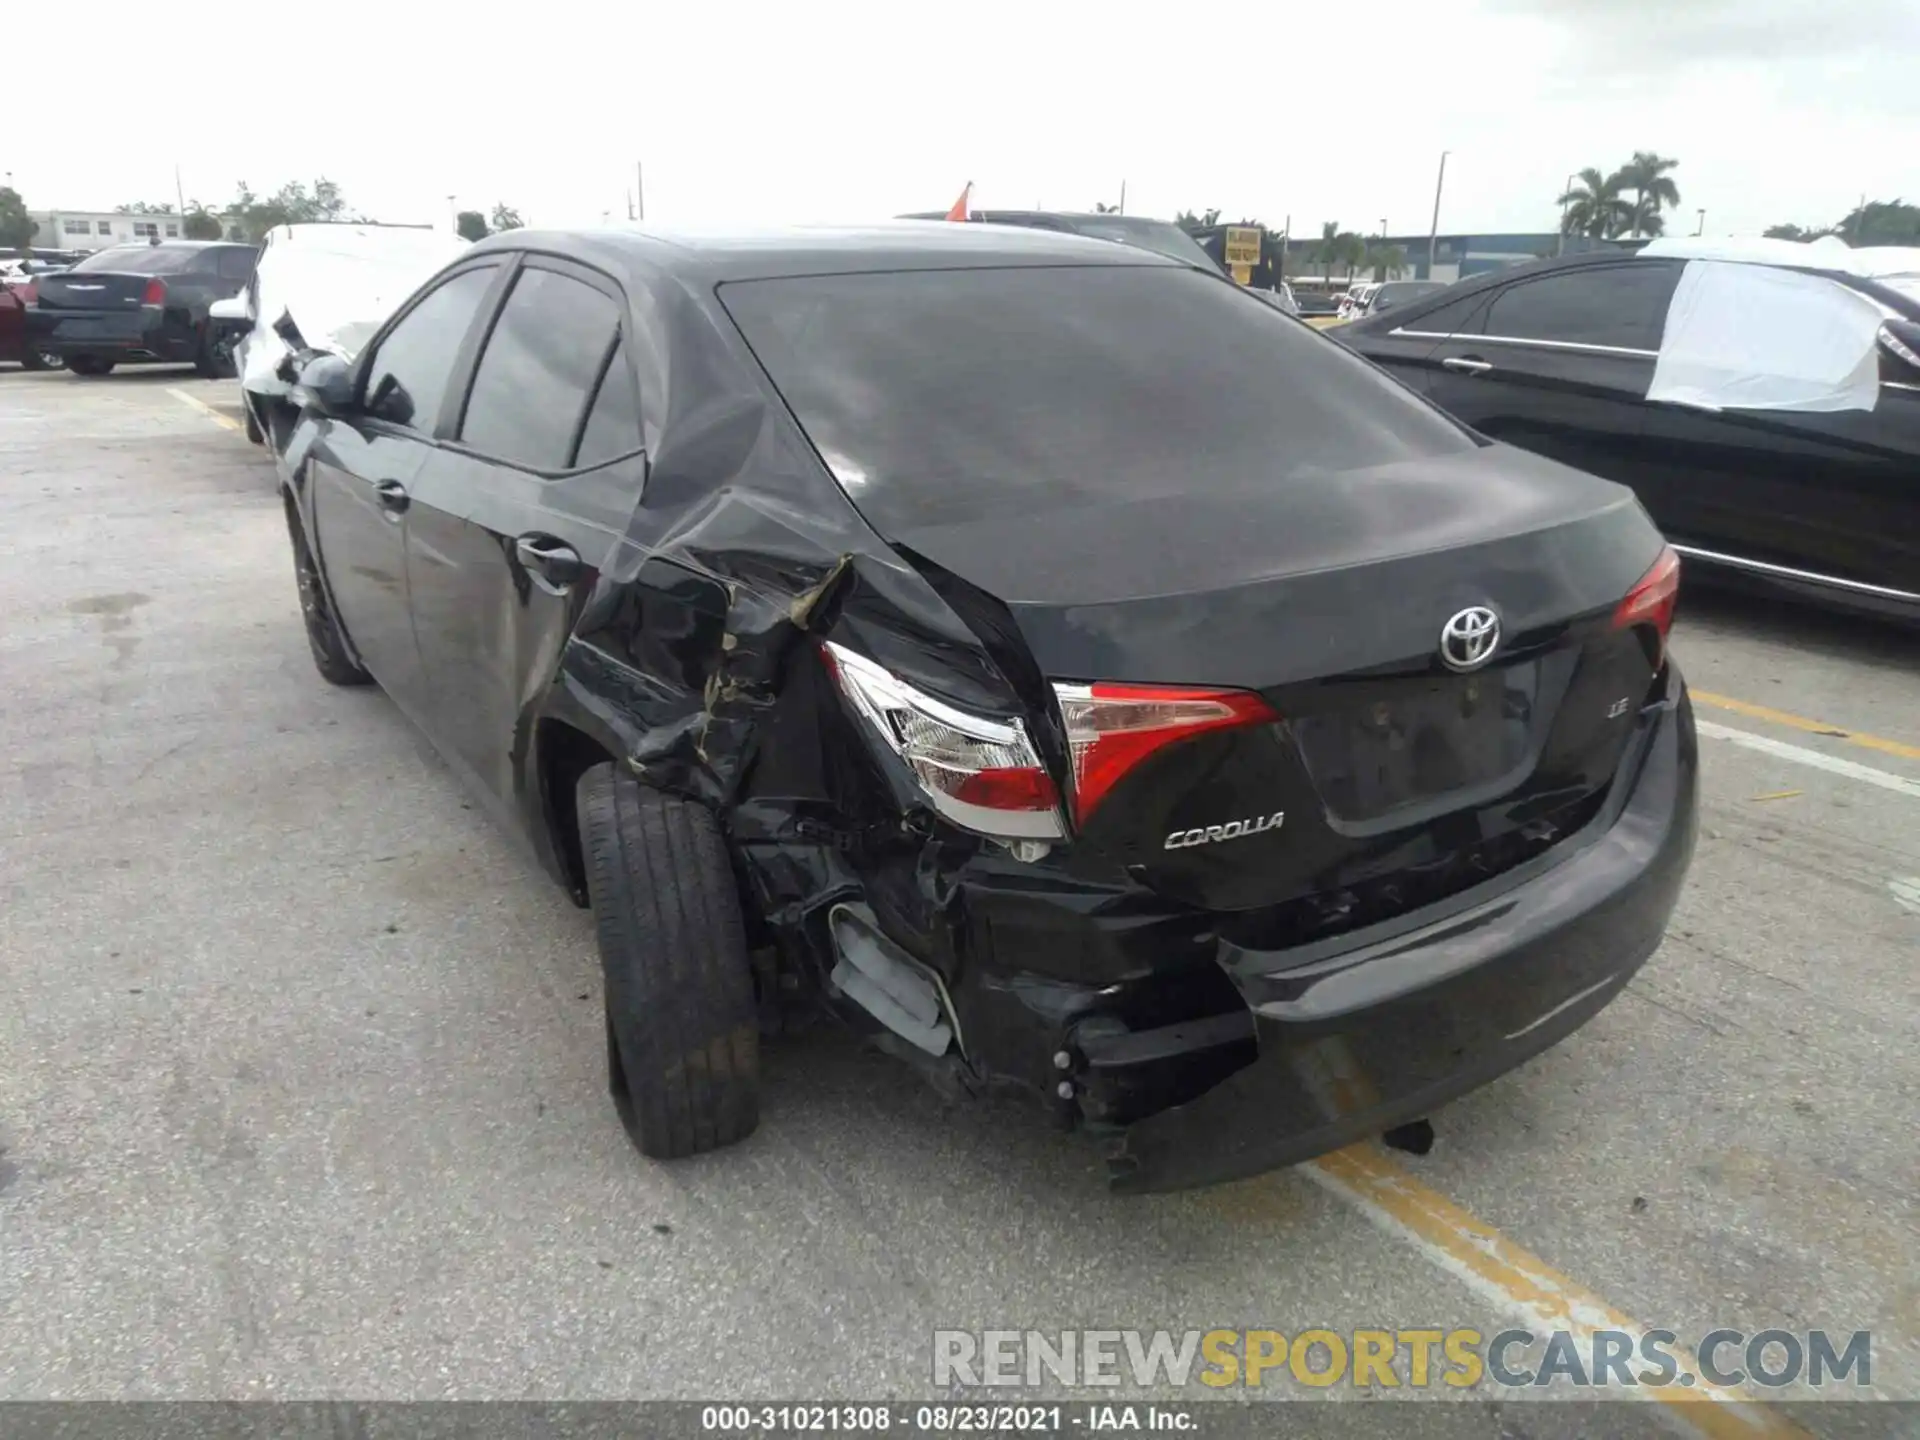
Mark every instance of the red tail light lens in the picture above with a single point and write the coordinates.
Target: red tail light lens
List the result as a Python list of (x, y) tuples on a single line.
[(1652, 600), (1112, 728), (156, 293), (29, 292), (982, 774)]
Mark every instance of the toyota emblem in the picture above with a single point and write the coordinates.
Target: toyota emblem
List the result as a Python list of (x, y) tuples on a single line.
[(1468, 640)]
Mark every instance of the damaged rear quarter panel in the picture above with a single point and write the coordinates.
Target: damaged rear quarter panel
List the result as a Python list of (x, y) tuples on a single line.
[(690, 659)]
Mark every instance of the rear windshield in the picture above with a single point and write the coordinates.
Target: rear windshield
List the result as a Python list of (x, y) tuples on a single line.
[(946, 396), (146, 259)]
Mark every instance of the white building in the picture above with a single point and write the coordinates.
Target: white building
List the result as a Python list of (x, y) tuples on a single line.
[(97, 229)]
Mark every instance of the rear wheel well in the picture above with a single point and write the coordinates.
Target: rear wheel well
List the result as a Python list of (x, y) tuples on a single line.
[(565, 755)]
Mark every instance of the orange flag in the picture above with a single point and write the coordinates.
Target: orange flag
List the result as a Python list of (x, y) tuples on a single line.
[(959, 210)]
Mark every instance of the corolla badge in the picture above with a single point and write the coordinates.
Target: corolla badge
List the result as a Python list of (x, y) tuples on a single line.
[(1232, 830), (1468, 640)]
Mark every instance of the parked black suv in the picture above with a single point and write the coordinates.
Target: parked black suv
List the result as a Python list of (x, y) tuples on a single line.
[(138, 304)]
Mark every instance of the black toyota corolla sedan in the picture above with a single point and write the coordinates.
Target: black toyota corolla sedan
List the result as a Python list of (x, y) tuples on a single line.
[(1046, 656)]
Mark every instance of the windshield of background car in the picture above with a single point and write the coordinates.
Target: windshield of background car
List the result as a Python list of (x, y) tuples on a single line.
[(946, 396), (144, 260)]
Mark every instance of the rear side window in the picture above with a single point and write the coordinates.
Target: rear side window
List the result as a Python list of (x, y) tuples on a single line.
[(1624, 306), (948, 396), (613, 425), (539, 368), (236, 264), (407, 381)]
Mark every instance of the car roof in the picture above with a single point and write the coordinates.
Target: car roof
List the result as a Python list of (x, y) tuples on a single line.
[(723, 255)]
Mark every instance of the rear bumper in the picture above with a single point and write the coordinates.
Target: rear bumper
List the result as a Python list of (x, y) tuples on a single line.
[(1356, 1040), (129, 335)]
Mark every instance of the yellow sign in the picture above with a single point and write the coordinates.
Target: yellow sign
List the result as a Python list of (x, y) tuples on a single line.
[(1243, 245), (1243, 274)]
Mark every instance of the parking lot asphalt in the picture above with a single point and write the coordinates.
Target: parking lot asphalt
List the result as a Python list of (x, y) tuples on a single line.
[(302, 1090)]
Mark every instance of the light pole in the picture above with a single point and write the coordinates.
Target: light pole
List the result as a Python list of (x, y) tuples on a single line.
[(453, 221), (1433, 235), (1703, 224)]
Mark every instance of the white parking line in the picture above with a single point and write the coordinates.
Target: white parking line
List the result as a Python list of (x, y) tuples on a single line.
[(1800, 755)]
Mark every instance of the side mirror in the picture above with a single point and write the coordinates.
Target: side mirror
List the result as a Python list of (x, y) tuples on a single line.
[(234, 307), (325, 386)]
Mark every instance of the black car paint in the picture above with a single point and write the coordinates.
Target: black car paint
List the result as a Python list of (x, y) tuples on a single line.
[(712, 560), (115, 325), (1824, 504)]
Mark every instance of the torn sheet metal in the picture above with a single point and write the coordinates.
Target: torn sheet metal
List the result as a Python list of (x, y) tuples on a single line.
[(337, 284), (1754, 337)]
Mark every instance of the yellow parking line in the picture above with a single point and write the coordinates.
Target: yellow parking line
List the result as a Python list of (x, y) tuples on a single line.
[(224, 421), (1812, 727), (1525, 1285)]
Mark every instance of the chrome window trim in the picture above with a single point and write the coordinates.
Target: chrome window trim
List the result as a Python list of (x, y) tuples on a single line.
[(1763, 567), (1576, 346)]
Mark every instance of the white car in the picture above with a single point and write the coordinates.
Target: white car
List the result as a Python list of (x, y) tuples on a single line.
[(321, 288), (1354, 303)]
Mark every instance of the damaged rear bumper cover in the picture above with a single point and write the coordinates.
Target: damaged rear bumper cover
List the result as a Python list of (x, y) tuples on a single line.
[(1383, 1030)]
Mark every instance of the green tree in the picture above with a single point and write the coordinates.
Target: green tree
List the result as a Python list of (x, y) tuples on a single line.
[(201, 223), (1190, 222), (470, 225), (1881, 222), (505, 217), (1594, 207), (1386, 261), (1100, 207), (143, 207), (292, 204), (16, 229), (1653, 191)]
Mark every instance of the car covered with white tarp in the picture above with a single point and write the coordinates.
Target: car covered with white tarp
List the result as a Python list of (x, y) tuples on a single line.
[(322, 289)]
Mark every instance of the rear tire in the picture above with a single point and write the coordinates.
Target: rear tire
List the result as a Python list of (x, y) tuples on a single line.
[(325, 638), (214, 359), (254, 432), (90, 365), (683, 1038)]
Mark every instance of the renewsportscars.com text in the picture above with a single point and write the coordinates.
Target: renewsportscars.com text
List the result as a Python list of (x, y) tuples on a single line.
[(1391, 1359)]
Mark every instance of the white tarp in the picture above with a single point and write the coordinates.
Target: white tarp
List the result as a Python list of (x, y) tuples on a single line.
[(338, 283), (1744, 336)]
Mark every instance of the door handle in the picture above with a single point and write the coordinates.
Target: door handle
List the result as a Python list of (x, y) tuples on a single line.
[(393, 498), (1465, 365), (554, 561)]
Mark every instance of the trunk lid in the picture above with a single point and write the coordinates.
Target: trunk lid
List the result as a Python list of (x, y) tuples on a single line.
[(1389, 779), (113, 290)]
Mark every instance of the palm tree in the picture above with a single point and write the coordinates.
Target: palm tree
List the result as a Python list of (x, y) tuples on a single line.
[(1353, 251), (1594, 208), (1386, 261), (1646, 176), (1327, 252)]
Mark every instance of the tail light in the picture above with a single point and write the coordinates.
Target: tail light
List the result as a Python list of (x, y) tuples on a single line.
[(156, 293), (29, 292), (1651, 602), (983, 775), (1112, 728)]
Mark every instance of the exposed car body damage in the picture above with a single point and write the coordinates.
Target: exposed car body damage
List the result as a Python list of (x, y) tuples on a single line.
[(1132, 983)]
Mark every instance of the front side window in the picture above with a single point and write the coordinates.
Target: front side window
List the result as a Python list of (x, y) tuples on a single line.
[(1620, 306), (539, 369), (407, 378), (948, 396)]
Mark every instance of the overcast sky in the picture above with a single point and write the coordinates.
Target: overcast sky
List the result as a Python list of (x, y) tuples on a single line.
[(1778, 110)]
